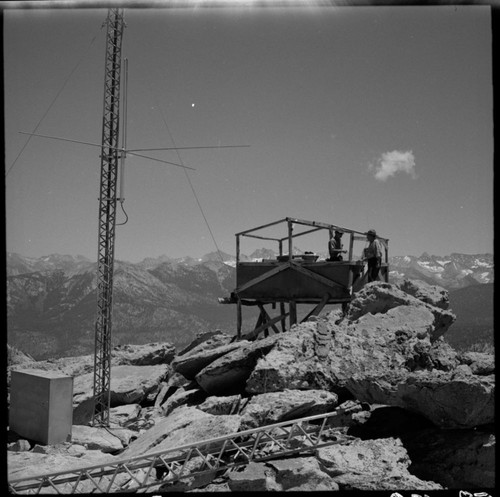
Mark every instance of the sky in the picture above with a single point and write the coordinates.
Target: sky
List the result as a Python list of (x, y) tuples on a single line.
[(363, 117)]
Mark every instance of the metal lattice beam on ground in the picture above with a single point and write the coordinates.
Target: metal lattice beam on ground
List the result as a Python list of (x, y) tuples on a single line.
[(154, 470)]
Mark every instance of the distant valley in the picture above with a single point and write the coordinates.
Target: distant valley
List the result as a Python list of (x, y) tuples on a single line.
[(51, 301)]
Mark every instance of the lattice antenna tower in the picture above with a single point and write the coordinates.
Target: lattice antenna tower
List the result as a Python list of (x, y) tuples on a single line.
[(107, 216)]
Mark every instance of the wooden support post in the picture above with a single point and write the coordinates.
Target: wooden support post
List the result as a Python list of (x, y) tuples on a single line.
[(293, 312), (261, 318), (386, 245), (238, 317), (330, 236), (237, 250), (283, 313)]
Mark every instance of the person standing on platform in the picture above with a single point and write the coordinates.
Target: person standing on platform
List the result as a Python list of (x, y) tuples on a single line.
[(335, 247), (373, 255)]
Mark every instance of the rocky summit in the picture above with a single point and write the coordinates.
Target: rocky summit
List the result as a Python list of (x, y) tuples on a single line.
[(410, 412)]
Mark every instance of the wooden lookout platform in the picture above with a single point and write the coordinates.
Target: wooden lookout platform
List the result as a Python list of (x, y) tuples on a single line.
[(290, 279)]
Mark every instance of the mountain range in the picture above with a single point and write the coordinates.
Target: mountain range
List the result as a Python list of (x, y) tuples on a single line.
[(51, 300)]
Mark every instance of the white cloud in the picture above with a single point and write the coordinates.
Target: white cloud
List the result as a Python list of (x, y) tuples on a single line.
[(393, 162)]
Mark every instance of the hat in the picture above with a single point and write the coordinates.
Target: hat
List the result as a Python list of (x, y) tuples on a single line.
[(371, 232), (339, 232)]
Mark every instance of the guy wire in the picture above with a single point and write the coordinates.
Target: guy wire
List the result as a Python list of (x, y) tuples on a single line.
[(192, 188), (53, 101)]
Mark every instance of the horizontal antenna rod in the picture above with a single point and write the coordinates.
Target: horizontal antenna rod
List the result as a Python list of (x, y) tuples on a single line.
[(113, 148), (159, 160), (184, 148), (133, 149), (66, 140)]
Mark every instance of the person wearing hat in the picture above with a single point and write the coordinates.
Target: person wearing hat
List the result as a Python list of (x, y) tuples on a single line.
[(335, 247), (373, 255)]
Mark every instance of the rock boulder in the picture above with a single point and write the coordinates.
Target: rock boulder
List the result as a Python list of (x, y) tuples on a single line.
[(191, 363), (371, 465), (148, 354), (378, 298), (183, 426), (275, 407), (129, 384), (227, 374), (430, 294)]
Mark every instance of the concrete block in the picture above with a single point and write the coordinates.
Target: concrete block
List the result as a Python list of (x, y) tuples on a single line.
[(41, 405)]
